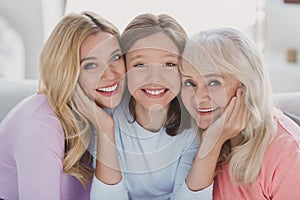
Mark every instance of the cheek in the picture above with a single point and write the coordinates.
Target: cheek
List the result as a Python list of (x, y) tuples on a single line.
[(219, 97), (135, 80), (230, 92), (120, 68), (174, 82), (187, 96), (88, 84)]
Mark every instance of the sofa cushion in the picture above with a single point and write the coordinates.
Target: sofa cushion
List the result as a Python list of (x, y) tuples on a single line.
[(13, 91), (288, 102)]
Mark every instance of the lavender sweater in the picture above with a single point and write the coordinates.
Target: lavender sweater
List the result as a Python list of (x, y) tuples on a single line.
[(31, 154)]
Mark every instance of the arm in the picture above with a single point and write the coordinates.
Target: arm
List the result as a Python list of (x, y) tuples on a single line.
[(202, 171), (181, 190), (107, 180), (39, 153)]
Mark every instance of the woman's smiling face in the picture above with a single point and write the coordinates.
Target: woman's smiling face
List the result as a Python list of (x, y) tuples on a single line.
[(206, 96), (102, 69)]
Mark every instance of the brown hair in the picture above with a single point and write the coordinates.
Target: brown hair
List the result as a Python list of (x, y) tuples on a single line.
[(143, 26)]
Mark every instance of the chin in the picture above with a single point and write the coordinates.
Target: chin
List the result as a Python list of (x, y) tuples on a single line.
[(203, 124)]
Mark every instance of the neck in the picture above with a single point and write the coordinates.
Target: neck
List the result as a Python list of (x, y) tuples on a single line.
[(151, 119)]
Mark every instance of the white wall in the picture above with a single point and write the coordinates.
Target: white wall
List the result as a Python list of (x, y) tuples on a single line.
[(34, 20), (26, 18), (283, 32), (194, 15), (283, 25)]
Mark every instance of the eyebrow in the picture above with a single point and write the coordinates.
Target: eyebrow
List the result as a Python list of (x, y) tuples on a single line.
[(205, 75), (87, 58), (115, 51), (164, 56), (95, 58)]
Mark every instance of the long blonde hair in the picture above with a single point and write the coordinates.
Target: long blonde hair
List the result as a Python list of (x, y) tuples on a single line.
[(59, 67), (229, 51)]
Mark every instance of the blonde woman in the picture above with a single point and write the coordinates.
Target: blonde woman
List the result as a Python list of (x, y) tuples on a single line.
[(44, 139), (222, 66)]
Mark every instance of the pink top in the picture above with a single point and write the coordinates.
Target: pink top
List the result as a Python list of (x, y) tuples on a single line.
[(31, 154), (280, 173)]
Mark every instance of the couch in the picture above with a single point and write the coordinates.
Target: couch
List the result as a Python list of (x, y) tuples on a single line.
[(11, 92)]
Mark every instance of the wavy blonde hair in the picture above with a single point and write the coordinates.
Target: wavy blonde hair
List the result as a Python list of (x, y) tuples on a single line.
[(229, 51), (59, 67)]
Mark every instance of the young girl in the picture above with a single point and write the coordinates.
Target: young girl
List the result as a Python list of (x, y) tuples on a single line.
[(263, 160), (43, 140)]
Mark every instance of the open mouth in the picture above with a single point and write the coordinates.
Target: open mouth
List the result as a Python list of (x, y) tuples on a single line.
[(155, 92), (108, 90), (206, 110)]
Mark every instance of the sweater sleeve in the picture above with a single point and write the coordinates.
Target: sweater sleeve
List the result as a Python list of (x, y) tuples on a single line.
[(38, 153), (181, 190), (103, 191)]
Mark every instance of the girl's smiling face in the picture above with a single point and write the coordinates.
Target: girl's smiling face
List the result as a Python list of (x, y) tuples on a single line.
[(206, 96), (102, 69), (152, 71)]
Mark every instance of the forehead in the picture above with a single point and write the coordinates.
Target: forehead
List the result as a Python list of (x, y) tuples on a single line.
[(188, 69), (159, 41), (196, 73), (97, 42)]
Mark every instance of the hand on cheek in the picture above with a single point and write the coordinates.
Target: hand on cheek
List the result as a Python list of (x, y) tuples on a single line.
[(227, 126)]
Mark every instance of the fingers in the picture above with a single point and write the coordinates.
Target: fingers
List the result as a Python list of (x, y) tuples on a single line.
[(229, 125), (239, 114), (80, 98)]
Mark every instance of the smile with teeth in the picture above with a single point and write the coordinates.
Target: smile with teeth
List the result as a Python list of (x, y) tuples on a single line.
[(154, 92), (108, 89), (206, 110)]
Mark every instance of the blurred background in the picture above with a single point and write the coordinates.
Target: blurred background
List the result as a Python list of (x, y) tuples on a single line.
[(273, 24)]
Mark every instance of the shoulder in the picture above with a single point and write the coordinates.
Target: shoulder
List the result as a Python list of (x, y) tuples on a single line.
[(188, 139), (288, 133), (281, 164), (31, 111), (284, 148), (190, 134), (33, 120)]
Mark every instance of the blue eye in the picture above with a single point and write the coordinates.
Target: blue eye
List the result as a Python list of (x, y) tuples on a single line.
[(189, 83), (169, 65), (214, 83), (140, 65), (116, 57), (90, 66)]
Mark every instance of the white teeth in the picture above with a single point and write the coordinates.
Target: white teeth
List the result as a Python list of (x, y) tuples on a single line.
[(206, 110), (155, 92), (108, 89)]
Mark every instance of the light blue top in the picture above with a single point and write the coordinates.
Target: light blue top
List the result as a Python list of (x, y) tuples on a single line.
[(154, 165)]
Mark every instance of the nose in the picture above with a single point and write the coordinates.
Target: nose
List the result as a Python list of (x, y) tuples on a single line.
[(155, 72), (202, 94), (109, 74)]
